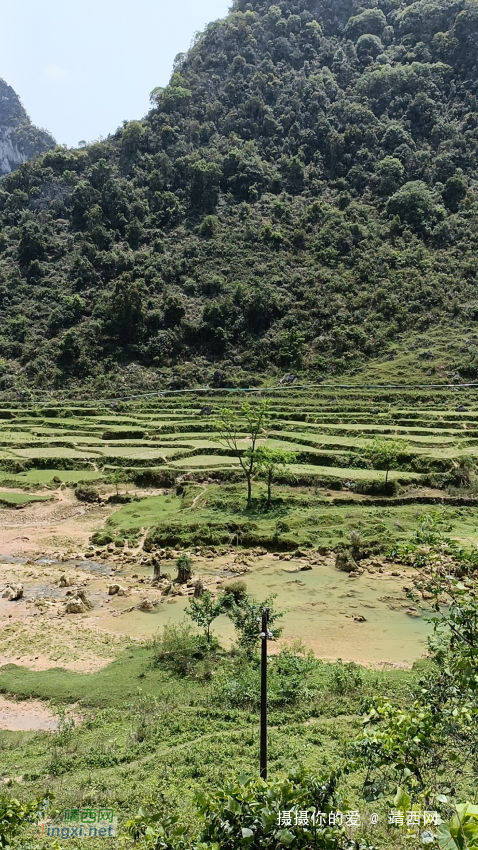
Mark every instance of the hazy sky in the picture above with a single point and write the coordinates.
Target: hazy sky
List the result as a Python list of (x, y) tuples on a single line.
[(81, 68)]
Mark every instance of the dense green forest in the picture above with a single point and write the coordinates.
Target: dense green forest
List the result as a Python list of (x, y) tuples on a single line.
[(300, 196)]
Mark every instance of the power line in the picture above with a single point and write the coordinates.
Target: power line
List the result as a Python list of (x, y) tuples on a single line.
[(254, 390)]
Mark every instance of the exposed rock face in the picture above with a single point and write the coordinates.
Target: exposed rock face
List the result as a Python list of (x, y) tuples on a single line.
[(146, 605), (67, 581), (13, 592), (345, 563), (75, 606), (20, 140)]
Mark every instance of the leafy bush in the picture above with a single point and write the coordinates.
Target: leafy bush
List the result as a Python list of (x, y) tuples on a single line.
[(245, 813), (345, 678), (15, 817), (290, 679), (87, 494), (179, 649)]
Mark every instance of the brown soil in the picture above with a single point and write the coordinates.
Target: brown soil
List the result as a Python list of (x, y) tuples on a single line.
[(31, 716)]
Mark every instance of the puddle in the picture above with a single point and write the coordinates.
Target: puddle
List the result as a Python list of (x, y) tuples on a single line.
[(28, 716)]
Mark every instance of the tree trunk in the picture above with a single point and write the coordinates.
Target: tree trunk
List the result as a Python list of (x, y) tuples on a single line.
[(386, 476), (249, 492)]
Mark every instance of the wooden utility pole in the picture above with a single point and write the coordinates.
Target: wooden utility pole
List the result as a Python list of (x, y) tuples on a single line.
[(264, 637)]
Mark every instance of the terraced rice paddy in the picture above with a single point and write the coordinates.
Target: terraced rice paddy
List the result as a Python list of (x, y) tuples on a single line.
[(330, 437)]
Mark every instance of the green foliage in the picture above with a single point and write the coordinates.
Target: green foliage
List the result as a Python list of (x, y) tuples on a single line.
[(290, 680), (269, 461), (204, 611), (461, 831), (15, 818), (179, 649), (230, 427), (295, 155), (246, 615), (245, 813), (385, 453), (420, 744)]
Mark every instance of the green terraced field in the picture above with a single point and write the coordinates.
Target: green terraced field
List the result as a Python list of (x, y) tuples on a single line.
[(328, 433)]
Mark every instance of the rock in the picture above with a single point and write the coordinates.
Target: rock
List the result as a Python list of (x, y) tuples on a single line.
[(359, 618), (66, 581), (13, 592), (288, 379), (86, 602), (75, 606), (305, 568), (146, 605), (116, 590), (345, 563), (198, 589)]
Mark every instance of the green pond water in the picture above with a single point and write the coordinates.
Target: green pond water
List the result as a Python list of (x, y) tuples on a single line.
[(320, 606)]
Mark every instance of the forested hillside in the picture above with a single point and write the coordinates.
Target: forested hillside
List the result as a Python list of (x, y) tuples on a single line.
[(301, 195)]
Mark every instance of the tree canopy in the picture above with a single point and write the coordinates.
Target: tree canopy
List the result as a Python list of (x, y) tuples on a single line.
[(301, 194)]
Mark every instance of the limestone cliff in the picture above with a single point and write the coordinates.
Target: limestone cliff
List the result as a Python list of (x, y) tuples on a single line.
[(20, 140)]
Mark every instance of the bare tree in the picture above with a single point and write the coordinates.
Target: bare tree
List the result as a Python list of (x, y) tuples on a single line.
[(232, 429)]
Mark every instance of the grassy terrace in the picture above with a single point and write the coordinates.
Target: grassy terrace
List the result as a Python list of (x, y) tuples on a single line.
[(330, 485)]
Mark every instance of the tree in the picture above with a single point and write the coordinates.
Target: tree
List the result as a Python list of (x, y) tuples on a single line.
[(416, 205), (268, 460), (246, 616), (118, 478), (230, 430), (204, 610), (385, 453)]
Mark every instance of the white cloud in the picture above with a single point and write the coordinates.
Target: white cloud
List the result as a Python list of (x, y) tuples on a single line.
[(56, 73)]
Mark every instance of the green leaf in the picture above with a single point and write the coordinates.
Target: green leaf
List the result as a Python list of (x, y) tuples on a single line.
[(402, 800), (445, 839), (285, 837)]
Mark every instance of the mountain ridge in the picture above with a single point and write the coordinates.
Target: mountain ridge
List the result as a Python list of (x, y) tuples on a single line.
[(301, 196)]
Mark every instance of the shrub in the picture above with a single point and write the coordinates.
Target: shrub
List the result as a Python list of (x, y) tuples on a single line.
[(345, 678), (87, 494), (101, 538), (179, 649), (237, 589)]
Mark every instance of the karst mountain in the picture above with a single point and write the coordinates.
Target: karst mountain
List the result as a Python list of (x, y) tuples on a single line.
[(301, 198)]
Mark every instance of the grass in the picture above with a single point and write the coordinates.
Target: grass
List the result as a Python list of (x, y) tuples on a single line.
[(16, 499), (298, 518), (45, 476), (149, 738)]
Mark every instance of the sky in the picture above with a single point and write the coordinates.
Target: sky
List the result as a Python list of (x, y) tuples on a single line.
[(81, 69)]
